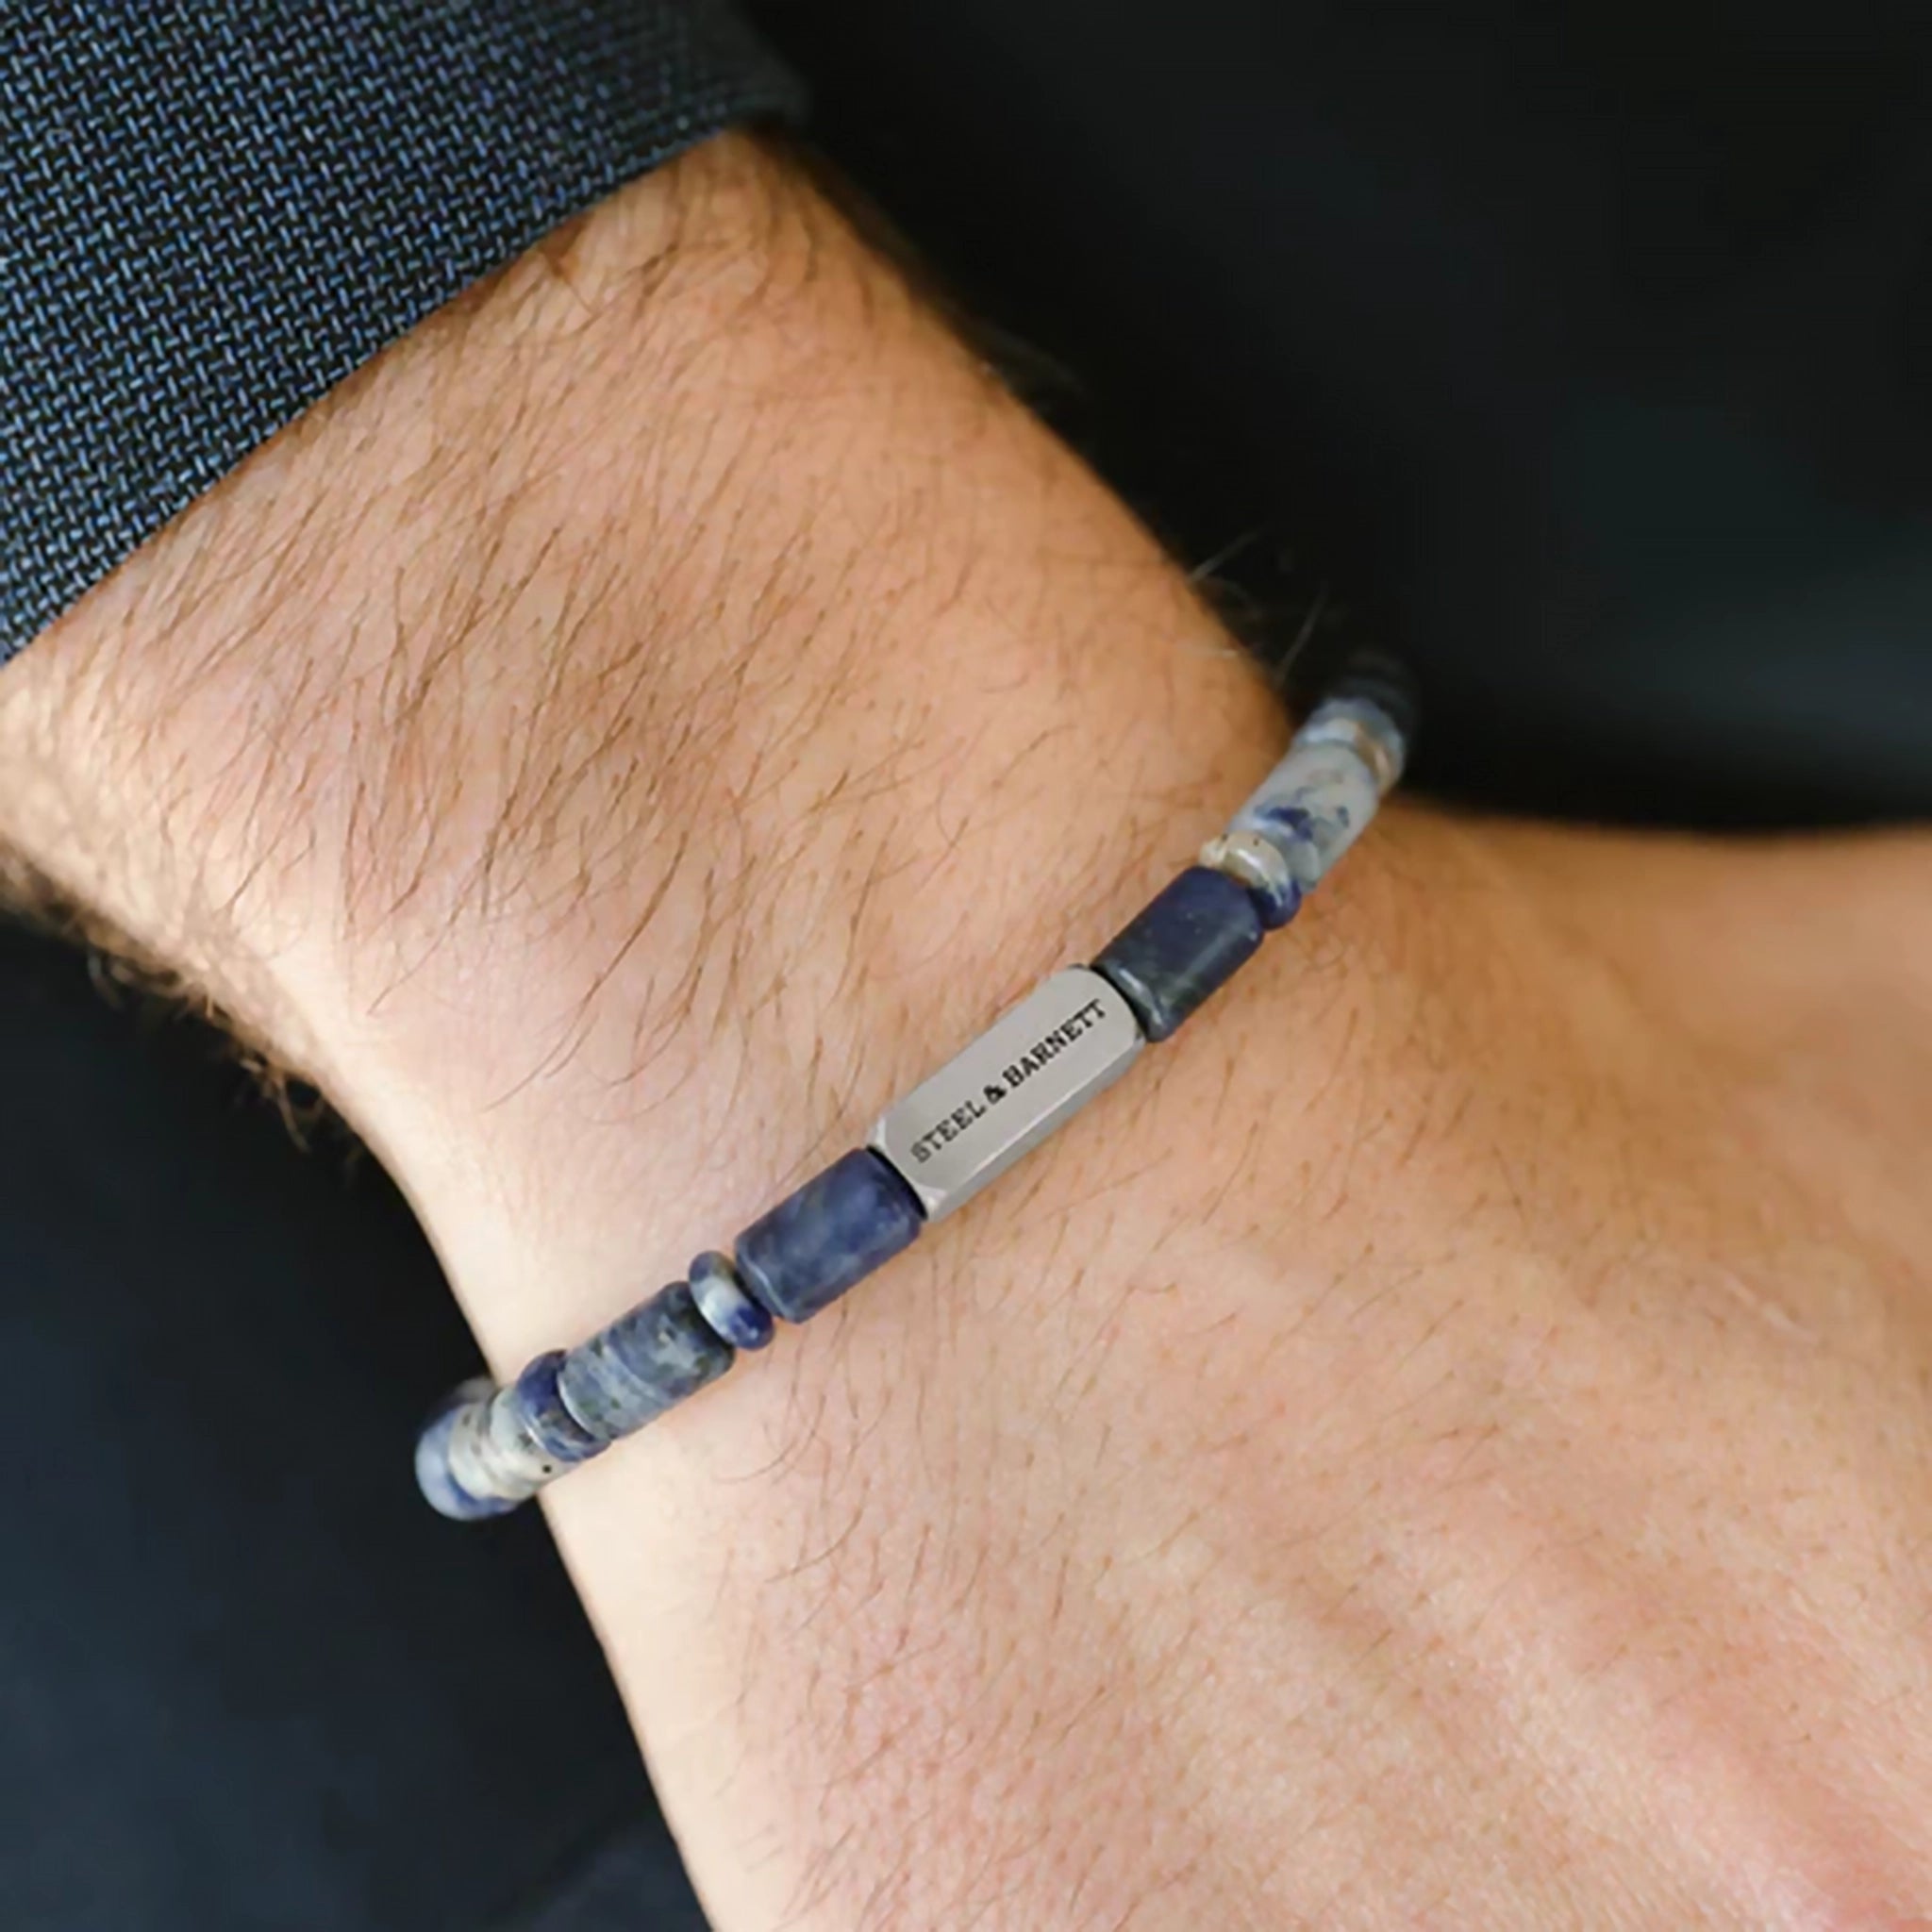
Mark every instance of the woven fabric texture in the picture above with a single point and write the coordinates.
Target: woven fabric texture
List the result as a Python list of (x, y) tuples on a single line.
[(213, 211)]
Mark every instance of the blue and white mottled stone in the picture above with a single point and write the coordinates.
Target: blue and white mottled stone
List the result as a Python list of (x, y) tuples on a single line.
[(537, 1403), (1188, 943), (438, 1456), (488, 1449), (727, 1305), (828, 1236), (1321, 796), (1318, 800), (645, 1362)]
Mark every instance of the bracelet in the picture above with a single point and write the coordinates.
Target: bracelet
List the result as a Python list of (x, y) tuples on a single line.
[(487, 1449)]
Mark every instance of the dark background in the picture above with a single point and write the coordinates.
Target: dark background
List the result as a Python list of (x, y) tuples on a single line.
[(248, 1683), (1582, 351), (1585, 356)]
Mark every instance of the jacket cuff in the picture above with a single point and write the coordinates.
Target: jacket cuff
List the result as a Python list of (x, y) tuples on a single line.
[(217, 210)]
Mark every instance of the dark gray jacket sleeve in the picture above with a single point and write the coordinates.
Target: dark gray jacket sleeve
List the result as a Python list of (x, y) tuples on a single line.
[(213, 211)]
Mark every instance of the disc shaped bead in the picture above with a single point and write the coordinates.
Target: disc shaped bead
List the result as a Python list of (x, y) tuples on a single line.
[(727, 1305), (540, 1408), (1261, 868), (436, 1454)]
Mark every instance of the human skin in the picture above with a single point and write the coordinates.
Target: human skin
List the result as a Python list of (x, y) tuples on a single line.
[(1444, 1444)]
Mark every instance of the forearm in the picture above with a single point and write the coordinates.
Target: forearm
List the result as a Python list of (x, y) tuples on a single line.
[(617, 745), (688, 526)]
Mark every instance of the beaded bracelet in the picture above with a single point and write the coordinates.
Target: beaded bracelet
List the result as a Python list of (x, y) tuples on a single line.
[(487, 1449)]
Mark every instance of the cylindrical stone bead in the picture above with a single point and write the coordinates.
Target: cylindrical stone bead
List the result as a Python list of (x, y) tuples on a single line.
[(727, 1305), (1311, 808), (507, 1460), (645, 1362), (436, 1459), (1348, 755), (829, 1235), (1188, 944), (1366, 729)]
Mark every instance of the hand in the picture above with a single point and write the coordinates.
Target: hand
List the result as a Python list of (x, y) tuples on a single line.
[(1443, 1445)]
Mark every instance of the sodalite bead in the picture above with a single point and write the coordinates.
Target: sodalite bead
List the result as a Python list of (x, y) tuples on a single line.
[(538, 1402), (1188, 944), (1318, 800), (1313, 806), (491, 1449), (724, 1302), (827, 1236), (437, 1455), (645, 1362)]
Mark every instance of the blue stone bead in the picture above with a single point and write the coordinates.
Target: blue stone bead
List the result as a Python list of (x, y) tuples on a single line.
[(645, 1362), (724, 1302), (1188, 944), (1314, 804), (832, 1233), (549, 1425), (439, 1488)]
